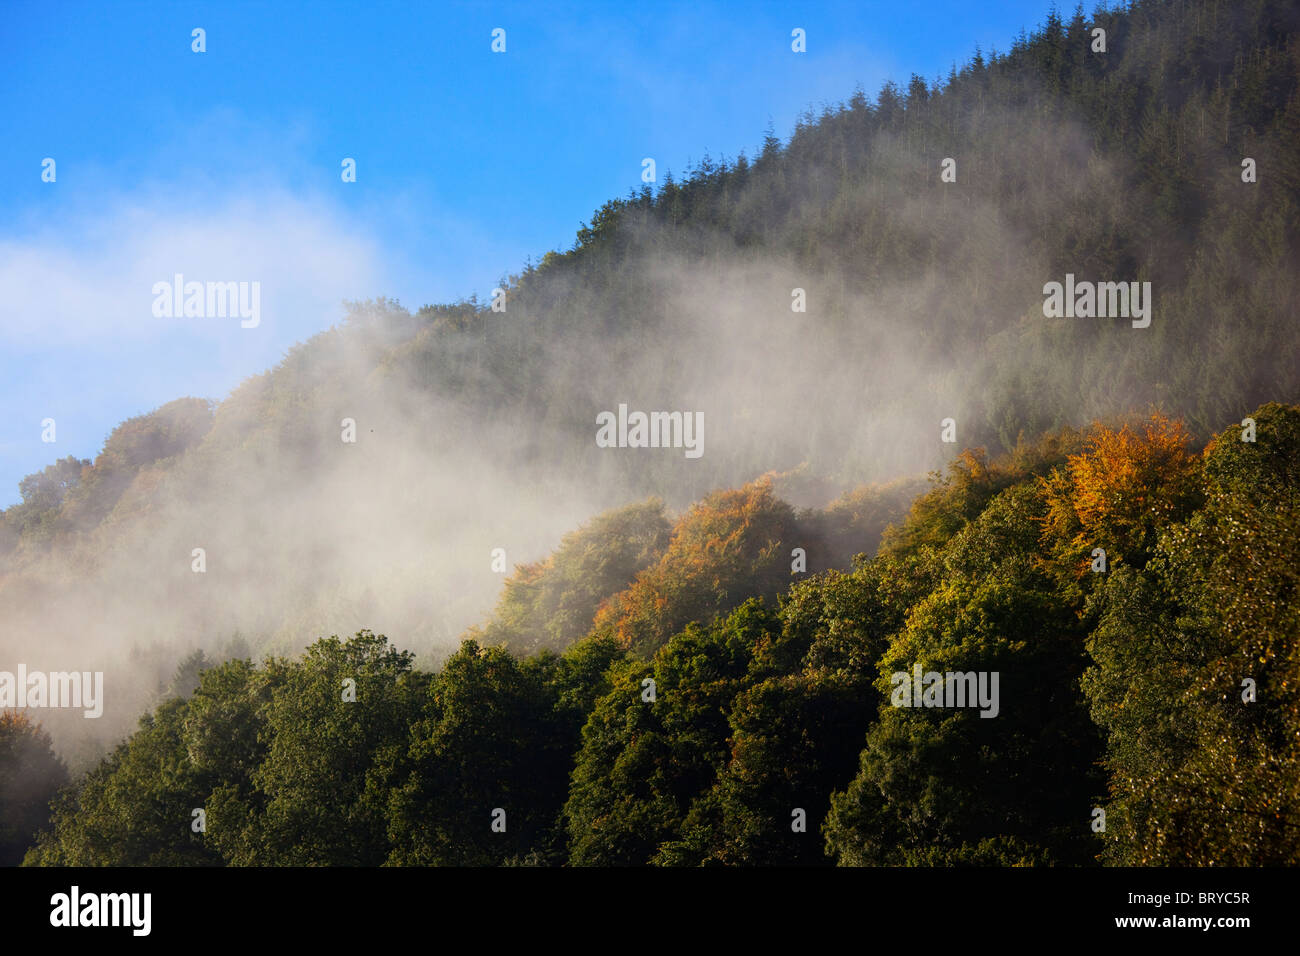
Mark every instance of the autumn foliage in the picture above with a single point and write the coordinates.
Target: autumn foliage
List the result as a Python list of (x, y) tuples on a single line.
[(725, 549), (1120, 489)]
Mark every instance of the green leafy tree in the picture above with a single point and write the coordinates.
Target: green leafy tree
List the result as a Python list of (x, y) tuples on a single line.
[(490, 751), (136, 807), (331, 726), (1196, 669), (946, 785), (552, 603), (30, 776), (643, 763)]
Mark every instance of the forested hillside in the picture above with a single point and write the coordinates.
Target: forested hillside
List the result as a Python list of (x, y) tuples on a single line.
[(681, 660), (767, 734)]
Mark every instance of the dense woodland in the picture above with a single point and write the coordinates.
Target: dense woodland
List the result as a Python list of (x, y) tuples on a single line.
[(769, 628), (1121, 690)]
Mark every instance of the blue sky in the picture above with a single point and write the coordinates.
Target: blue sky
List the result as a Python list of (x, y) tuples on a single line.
[(225, 165)]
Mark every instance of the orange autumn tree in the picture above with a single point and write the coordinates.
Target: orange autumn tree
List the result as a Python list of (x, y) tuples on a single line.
[(1120, 491), (733, 545)]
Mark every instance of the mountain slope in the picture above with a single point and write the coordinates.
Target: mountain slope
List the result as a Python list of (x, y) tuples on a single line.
[(475, 429)]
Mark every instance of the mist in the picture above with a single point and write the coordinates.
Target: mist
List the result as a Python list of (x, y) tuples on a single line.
[(475, 429)]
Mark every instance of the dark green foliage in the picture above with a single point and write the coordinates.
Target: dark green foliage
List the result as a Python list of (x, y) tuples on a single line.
[(136, 807), (319, 794), (854, 523), (1198, 775), (793, 740), (30, 776), (642, 763), (491, 740), (949, 786)]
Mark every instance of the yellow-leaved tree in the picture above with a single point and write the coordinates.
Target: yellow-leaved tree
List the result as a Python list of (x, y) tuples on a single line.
[(1119, 491)]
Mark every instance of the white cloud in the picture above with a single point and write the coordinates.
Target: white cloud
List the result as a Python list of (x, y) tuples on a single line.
[(90, 279)]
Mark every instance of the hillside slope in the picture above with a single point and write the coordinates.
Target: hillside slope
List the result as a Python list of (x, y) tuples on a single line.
[(475, 429)]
